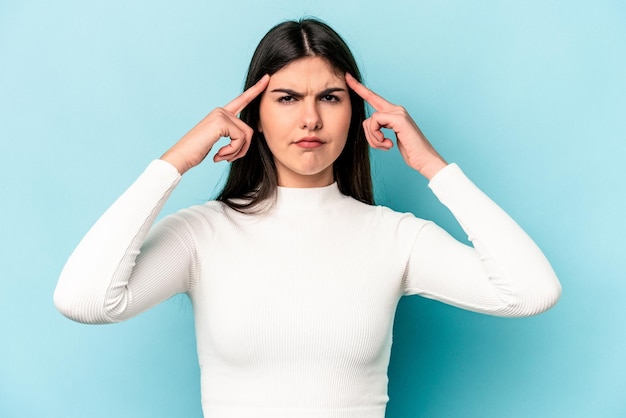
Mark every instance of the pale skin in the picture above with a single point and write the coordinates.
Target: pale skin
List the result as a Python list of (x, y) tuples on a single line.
[(304, 115), (312, 114), (417, 152), (196, 144)]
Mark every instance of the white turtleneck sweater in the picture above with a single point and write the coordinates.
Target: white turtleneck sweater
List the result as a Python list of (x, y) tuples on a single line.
[(294, 308)]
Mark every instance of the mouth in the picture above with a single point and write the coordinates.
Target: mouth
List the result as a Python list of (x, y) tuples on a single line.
[(309, 142)]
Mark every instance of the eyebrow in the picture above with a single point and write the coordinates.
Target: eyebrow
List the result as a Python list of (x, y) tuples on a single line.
[(298, 95)]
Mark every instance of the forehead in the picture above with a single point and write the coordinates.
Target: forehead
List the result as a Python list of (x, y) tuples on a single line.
[(308, 72)]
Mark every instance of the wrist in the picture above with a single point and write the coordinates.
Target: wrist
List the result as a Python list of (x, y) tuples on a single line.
[(179, 163), (430, 169)]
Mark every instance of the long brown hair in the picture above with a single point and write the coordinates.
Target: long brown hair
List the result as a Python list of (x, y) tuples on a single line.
[(253, 178)]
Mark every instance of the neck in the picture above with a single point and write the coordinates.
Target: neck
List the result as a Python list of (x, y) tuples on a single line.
[(304, 181), (311, 198)]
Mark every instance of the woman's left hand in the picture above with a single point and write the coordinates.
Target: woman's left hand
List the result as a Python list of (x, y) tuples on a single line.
[(418, 153)]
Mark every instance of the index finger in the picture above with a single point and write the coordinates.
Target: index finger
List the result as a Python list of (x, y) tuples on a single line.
[(377, 102), (240, 102)]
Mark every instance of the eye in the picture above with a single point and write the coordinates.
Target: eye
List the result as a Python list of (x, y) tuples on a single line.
[(330, 98), (286, 99)]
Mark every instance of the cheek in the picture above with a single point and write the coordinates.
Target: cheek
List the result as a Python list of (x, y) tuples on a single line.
[(272, 120), (267, 115), (346, 113), (343, 120), (262, 116)]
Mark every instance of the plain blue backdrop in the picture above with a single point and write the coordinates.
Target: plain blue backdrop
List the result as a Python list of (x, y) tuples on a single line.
[(527, 97)]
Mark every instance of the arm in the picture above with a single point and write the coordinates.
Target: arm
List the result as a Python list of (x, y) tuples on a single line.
[(113, 274), (504, 274)]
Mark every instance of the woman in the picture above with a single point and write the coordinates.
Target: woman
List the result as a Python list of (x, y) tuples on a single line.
[(293, 273)]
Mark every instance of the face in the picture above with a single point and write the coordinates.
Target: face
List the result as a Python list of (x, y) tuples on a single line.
[(305, 117)]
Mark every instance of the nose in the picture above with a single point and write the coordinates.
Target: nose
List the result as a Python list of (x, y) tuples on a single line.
[(310, 118)]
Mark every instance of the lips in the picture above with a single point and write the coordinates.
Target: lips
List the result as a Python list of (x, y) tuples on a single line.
[(309, 142)]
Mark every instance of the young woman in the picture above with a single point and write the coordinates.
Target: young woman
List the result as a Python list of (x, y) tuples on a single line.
[(293, 273)]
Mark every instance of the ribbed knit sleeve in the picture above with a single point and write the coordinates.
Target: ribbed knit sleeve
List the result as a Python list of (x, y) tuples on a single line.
[(123, 266), (503, 274)]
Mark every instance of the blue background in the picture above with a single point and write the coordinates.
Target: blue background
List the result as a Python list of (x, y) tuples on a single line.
[(528, 97)]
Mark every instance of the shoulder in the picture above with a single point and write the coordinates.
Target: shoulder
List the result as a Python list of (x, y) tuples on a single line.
[(195, 220), (207, 213), (386, 217)]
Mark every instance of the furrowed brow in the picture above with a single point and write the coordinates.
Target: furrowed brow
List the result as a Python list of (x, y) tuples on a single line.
[(331, 90), (298, 95), (289, 92)]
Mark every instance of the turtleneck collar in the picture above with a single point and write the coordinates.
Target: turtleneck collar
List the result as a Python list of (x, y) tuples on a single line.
[(307, 198)]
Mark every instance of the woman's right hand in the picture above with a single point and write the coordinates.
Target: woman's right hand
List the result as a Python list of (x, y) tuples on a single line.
[(193, 148)]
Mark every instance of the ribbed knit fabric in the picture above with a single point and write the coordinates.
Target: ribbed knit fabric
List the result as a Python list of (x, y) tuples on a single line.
[(294, 308)]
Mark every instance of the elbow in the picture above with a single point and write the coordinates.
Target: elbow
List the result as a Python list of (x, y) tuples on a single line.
[(547, 300), (537, 302), (67, 305), (75, 307), (555, 295)]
